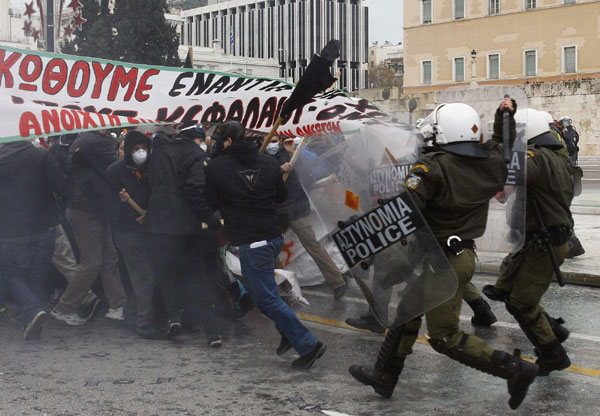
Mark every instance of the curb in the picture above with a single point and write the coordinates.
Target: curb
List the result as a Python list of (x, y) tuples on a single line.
[(572, 278)]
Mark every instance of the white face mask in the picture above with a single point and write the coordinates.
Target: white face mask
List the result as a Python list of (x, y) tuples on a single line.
[(272, 148), (203, 146), (139, 156)]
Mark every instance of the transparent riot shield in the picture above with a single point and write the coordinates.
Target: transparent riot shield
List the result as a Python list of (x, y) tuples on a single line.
[(357, 190), (505, 229)]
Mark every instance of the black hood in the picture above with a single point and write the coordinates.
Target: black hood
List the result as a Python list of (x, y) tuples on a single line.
[(468, 149), (244, 151), (132, 139), (547, 140), (8, 152)]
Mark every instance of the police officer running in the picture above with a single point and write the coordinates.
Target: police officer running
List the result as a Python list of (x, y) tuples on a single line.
[(436, 184), (526, 274)]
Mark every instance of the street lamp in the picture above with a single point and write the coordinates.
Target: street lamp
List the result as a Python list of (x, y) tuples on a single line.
[(473, 68)]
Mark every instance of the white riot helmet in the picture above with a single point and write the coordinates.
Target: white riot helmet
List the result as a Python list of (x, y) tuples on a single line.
[(454, 128), (566, 121), (538, 129), (547, 116)]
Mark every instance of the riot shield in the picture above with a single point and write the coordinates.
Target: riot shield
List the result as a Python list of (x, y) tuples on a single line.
[(505, 228), (357, 190)]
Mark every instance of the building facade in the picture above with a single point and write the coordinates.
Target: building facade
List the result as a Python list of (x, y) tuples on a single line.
[(288, 32), (453, 42)]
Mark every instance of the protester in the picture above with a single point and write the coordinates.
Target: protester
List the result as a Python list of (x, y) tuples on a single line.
[(64, 258), (93, 206), (294, 213), (176, 210), (245, 185), (29, 180), (130, 175)]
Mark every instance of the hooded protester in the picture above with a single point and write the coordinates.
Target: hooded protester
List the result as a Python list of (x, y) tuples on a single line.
[(176, 210), (245, 185), (130, 175), (93, 205), (29, 180)]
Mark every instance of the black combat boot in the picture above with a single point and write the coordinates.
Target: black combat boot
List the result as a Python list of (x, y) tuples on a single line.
[(494, 294), (553, 357), (560, 332), (366, 321), (519, 374), (482, 313), (383, 377), (575, 247), (383, 381)]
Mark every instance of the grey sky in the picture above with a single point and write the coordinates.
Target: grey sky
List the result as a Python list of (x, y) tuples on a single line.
[(385, 19)]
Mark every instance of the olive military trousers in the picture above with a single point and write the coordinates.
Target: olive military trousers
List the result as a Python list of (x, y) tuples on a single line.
[(526, 276), (443, 321)]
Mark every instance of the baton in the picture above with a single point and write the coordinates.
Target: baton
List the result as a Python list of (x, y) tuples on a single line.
[(506, 133), (545, 242)]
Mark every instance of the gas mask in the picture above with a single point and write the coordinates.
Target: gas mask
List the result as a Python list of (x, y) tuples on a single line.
[(272, 148), (139, 156)]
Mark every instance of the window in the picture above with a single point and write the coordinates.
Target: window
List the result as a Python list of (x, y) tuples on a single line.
[(459, 9), (426, 72), (493, 6), (531, 63), (570, 2), (530, 4), (372, 52), (569, 59), (459, 69), (426, 11), (494, 66), (372, 64)]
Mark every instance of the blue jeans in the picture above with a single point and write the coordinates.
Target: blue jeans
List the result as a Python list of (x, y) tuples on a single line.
[(24, 264), (258, 265)]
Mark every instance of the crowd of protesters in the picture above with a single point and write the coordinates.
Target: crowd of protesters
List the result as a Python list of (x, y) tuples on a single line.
[(134, 214)]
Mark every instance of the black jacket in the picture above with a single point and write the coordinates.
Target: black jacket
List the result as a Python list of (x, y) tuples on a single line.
[(29, 178), (125, 174), (176, 176), (245, 185), (91, 154), (296, 205)]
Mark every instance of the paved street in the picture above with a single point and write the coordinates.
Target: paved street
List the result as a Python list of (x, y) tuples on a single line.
[(104, 369)]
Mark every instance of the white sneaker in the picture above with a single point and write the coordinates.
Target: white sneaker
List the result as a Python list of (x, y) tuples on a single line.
[(116, 314), (68, 318)]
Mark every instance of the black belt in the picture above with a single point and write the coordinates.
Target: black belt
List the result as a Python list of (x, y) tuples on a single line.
[(557, 235), (456, 245)]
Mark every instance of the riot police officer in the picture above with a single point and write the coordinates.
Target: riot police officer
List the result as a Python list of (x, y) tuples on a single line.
[(454, 159), (526, 274)]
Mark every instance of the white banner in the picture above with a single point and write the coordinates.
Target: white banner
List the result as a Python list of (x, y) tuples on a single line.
[(48, 94)]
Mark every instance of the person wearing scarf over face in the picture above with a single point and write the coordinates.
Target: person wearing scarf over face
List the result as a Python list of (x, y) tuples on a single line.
[(130, 176)]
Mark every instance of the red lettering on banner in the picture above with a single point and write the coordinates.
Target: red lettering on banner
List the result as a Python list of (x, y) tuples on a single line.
[(50, 76), (122, 79), (76, 118), (114, 120), (100, 75), (143, 86), (26, 76), (101, 118), (83, 68), (132, 120), (51, 117), (67, 119), (5, 65), (87, 120), (28, 122)]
